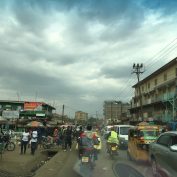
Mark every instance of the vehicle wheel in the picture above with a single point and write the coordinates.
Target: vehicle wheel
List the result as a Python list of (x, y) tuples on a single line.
[(111, 155), (154, 167), (10, 146)]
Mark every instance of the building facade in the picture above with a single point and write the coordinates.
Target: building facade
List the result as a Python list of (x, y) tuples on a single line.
[(115, 111), (155, 96), (25, 109), (81, 117)]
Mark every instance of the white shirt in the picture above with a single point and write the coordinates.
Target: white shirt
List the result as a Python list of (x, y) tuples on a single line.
[(25, 136), (34, 136)]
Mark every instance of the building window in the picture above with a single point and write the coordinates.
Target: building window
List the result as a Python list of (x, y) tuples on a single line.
[(149, 85), (165, 76), (155, 82), (142, 88)]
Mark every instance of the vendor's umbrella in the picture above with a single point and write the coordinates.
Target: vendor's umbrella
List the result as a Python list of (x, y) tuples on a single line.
[(35, 124)]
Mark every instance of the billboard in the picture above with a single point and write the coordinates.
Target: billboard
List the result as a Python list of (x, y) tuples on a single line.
[(32, 106), (10, 114)]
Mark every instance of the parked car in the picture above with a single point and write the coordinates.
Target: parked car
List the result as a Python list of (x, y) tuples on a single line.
[(163, 155)]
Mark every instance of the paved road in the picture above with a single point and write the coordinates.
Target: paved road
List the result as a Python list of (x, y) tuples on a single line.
[(66, 164)]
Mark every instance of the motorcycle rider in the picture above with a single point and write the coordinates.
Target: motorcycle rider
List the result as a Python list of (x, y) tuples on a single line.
[(112, 137), (91, 139)]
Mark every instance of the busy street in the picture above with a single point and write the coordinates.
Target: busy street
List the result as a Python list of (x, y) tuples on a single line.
[(88, 88), (66, 163)]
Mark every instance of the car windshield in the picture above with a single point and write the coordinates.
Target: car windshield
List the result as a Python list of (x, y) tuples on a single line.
[(109, 129), (124, 130), (148, 133)]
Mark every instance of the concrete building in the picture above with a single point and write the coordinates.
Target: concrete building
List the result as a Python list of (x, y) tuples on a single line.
[(10, 109), (115, 111), (155, 96), (81, 117)]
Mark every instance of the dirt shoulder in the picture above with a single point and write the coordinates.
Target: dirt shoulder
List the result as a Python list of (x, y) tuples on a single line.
[(15, 164)]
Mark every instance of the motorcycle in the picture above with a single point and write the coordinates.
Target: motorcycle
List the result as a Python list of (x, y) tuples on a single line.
[(113, 149), (47, 142), (87, 159)]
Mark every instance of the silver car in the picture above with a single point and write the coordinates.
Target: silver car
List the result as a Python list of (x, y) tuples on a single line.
[(163, 155)]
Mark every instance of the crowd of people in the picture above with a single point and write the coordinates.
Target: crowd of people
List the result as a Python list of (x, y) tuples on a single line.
[(63, 136), (60, 136)]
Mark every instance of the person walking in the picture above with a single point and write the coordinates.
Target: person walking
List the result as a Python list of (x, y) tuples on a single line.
[(68, 138), (55, 135), (34, 141), (24, 141)]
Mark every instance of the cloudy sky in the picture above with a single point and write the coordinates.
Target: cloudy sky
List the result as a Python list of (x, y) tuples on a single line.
[(80, 52)]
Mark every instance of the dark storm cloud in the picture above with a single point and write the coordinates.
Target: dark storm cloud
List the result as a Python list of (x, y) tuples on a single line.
[(117, 72), (30, 16), (167, 7), (122, 17), (65, 49), (31, 81)]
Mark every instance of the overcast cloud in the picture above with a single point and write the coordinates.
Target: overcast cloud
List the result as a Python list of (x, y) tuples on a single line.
[(80, 53)]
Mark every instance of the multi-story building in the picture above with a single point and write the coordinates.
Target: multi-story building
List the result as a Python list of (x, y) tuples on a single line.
[(156, 95), (25, 109), (115, 111), (81, 117)]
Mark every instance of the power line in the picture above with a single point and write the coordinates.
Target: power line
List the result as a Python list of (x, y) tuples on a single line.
[(125, 88)]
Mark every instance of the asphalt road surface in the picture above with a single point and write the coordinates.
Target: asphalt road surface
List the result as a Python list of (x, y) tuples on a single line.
[(105, 166)]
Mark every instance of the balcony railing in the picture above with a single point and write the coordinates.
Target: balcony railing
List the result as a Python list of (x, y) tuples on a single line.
[(164, 97)]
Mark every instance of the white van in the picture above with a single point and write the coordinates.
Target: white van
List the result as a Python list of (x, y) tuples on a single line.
[(122, 131), (106, 130)]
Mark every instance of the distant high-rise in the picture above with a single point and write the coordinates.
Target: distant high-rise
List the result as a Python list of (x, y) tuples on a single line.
[(115, 111), (81, 117)]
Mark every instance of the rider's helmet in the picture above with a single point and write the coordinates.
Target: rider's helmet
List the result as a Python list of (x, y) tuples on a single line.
[(89, 127)]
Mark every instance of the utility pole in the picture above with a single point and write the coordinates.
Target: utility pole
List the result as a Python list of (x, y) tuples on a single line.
[(137, 69), (63, 109)]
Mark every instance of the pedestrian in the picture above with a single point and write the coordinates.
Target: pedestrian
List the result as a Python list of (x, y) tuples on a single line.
[(34, 141), (55, 135), (39, 138), (24, 141), (63, 131), (59, 136), (68, 138)]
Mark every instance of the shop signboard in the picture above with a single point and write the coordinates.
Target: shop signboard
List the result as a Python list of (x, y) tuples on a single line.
[(32, 106), (10, 114), (40, 115)]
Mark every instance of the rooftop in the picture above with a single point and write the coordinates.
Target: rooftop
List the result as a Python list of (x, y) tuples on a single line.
[(160, 70)]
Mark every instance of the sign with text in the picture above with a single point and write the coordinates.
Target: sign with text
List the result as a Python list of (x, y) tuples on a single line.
[(32, 106), (10, 114)]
